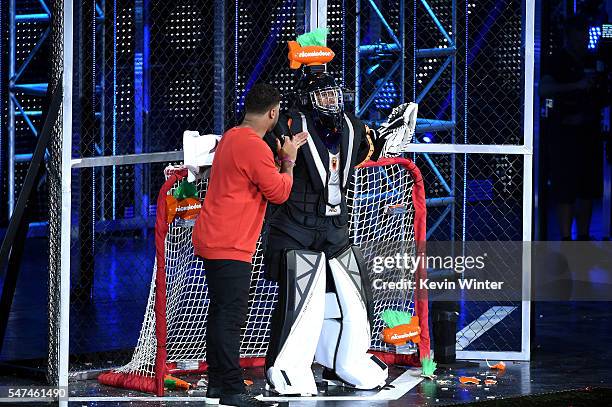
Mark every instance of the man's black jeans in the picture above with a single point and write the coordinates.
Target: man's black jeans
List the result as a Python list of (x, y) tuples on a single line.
[(228, 291)]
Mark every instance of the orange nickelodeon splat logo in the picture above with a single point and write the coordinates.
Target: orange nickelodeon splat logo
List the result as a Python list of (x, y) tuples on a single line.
[(187, 208), (401, 334), (308, 55)]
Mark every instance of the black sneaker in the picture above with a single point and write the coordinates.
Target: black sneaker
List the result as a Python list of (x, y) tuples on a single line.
[(243, 400), (213, 394)]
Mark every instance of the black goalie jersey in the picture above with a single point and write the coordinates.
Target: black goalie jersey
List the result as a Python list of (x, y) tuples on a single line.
[(322, 175)]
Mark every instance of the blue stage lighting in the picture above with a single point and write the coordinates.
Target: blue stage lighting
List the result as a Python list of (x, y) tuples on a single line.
[(387, 97), (594, 36), (371, 69)]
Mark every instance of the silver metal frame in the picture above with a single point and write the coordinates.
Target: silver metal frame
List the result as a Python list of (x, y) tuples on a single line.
[(64, 314), (525, 150), (424, 124), (316, 14), (397, 46), (528, 113), (127, 159)]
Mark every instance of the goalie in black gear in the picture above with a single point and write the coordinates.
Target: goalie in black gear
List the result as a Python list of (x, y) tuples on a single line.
[(324, 310)]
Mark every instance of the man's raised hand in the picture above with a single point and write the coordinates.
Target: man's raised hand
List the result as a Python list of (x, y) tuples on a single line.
[(291, 145)]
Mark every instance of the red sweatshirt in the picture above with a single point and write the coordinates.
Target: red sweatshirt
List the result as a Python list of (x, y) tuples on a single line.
[(242, 179)]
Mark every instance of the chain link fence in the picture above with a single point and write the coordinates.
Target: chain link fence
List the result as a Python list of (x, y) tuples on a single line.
[(146, 74), (24, 63), (54, 176), (492, 198), (470, 90), (147, 71)]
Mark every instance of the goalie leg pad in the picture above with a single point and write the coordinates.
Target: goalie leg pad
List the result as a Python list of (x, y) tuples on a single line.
[(326, 348), (345, 341), (297, 323)]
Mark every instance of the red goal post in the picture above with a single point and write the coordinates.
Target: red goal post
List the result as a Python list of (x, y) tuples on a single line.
[(387, 209)]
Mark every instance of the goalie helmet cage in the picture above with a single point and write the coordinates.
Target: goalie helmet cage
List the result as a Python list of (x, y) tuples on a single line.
[(387, 216)]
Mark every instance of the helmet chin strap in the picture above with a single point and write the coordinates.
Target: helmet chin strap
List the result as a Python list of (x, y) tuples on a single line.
[(318, 94), (327, 121)]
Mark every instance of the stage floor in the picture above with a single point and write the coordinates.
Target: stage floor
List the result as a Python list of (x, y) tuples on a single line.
[(571, 351), (408, 388)]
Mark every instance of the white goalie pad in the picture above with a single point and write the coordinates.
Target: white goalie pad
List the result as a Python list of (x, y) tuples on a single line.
[(198, 151), (345, 341), (399, 129), (332, 308), (304, 308)]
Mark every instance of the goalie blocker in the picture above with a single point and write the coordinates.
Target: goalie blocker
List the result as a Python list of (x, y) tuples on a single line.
[(311, 323)]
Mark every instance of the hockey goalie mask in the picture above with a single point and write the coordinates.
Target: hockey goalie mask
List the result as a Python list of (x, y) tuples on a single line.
[(319, 93), (327, 100)]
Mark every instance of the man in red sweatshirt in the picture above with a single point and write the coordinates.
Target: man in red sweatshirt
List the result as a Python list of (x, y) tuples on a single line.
[(243, 179)]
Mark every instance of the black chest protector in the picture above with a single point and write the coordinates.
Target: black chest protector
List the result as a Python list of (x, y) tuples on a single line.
[(314, 184)]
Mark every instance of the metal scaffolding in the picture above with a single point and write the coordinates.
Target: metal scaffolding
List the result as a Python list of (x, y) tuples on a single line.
[(453, 86), (17, 85), (367, 66), (366, 99), (21, 15)]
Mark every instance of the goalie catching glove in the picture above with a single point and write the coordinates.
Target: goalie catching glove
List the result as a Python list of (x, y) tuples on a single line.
[(391, 139)]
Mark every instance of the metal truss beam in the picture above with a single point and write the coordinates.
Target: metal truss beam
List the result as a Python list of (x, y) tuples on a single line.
[(15, 87), (385, 23), (396, 49), (448, 52), (379, 87)]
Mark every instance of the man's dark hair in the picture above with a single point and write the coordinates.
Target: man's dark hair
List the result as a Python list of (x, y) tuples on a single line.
[(261, 98)]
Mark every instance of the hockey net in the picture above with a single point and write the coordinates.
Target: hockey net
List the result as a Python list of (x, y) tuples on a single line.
[(386, 203)]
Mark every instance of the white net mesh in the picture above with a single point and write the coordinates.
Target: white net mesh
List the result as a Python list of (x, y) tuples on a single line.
[(381, 223)]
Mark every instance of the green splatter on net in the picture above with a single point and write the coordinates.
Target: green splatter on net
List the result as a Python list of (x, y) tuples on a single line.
[(185, 190), (394, 318)]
